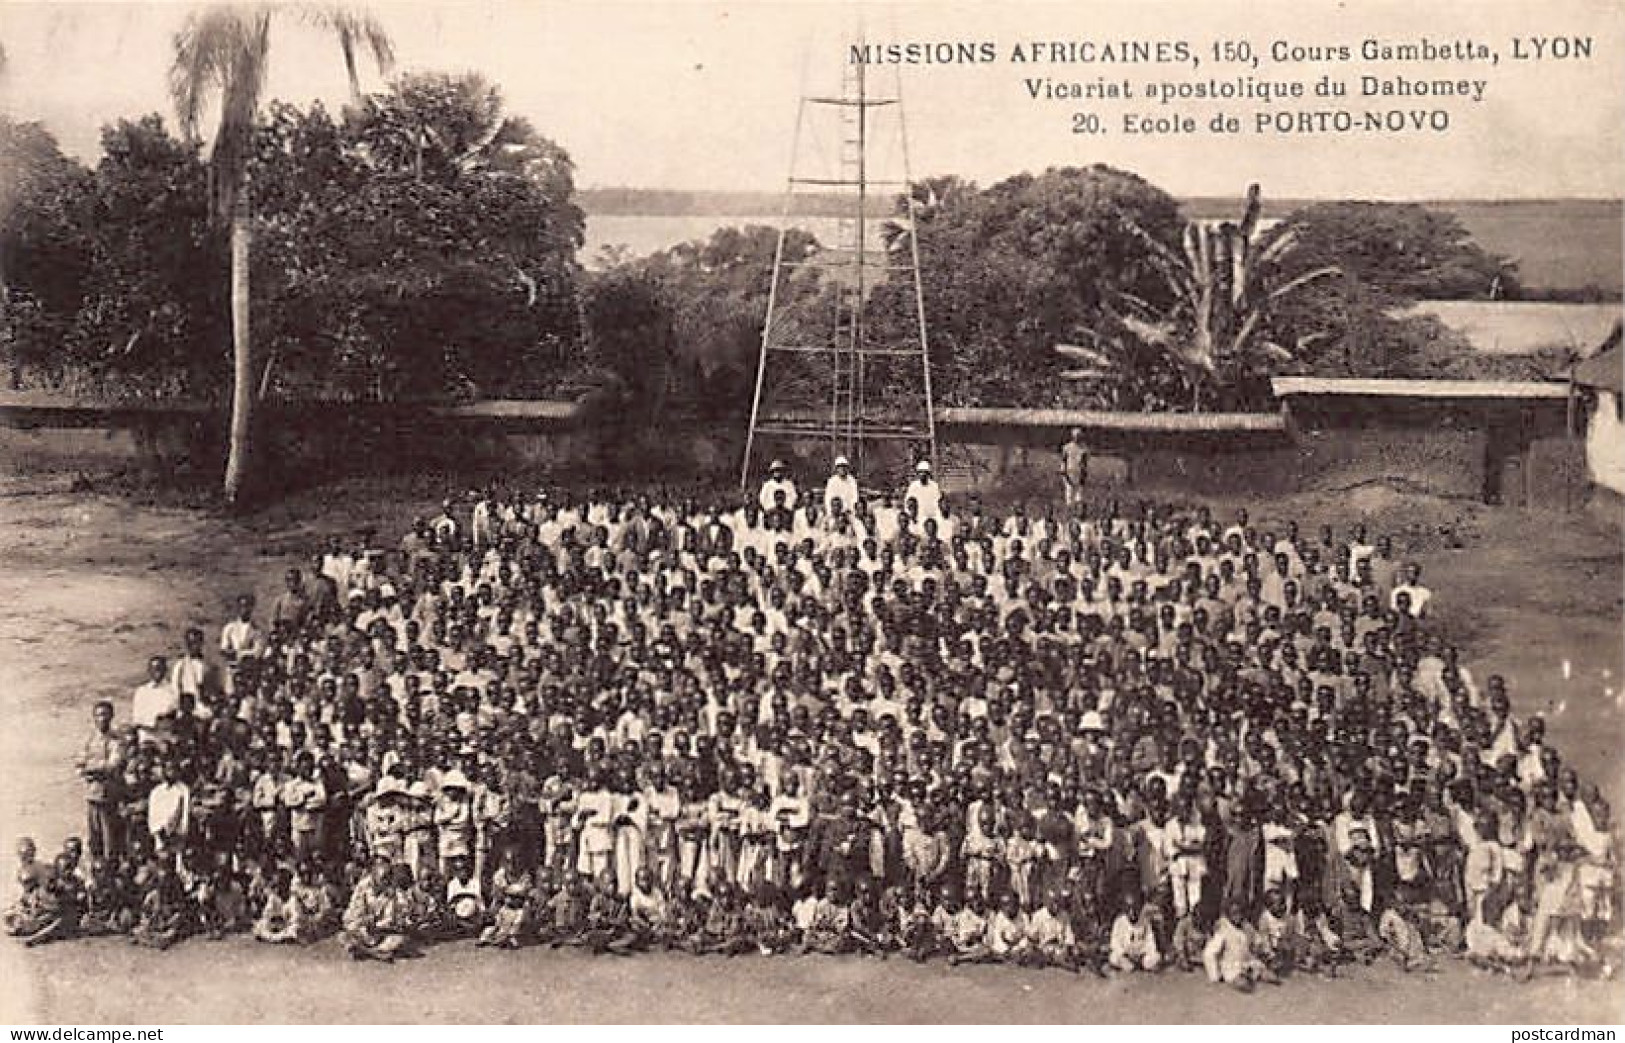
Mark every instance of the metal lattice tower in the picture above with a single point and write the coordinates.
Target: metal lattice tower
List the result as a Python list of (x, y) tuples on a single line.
[(826, 372)]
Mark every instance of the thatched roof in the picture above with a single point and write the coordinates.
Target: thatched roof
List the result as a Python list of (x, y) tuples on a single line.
[(1605, 369)]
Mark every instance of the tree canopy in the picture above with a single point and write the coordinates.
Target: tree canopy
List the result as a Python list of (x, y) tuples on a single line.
[(382, 271), (1011, 270)]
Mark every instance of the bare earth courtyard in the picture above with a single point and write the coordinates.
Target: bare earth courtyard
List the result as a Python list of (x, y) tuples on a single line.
[(92, 584)]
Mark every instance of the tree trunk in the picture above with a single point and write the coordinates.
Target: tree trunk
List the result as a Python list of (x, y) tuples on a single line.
[(242, 375)]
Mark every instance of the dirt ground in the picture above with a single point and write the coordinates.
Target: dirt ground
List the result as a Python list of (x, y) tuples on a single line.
[(93, 583)]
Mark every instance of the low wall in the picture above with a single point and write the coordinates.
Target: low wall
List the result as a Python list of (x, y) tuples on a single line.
[(1513, 457)]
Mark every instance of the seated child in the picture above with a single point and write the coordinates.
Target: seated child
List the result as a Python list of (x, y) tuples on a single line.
[(606, 926), (727, 928), (35, 907), (510, 920), (465, 905), (276, 920), (967, 932), (1050, 942), (828, 930), (915, 925), (55, 903), (107, 907), (865, 925), (165, 913), (1399, 932), (222, 903), (1495, 941), (1228, 957), (1007, 930), (1189, 940), (767, 922), (1278, 939), (648, 913), (312, 904), (1133, 941), (568, 910)]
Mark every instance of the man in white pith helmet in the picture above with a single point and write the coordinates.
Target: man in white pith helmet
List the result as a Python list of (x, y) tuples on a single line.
[(925, 492), (841, 488), (778, 481)]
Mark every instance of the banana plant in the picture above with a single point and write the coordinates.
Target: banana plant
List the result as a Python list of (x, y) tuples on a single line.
[(1223, 280)]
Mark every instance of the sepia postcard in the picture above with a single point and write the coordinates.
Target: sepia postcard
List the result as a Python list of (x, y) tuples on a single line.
[(714, 512)]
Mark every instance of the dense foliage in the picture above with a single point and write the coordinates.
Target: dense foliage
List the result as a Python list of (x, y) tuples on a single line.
[(423, 244)]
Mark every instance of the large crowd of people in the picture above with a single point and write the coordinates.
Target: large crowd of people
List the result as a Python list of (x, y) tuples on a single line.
[(1105, 738)]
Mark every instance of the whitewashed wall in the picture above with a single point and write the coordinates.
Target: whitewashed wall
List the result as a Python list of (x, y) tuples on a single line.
[(1605, 443)]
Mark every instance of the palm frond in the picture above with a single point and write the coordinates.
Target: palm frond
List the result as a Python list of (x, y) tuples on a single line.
[(1076, 352), (1276, 243), (355, 29), (1306, 278), (222, 51)]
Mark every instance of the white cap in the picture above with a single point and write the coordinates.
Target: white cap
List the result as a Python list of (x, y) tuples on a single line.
[(1092, 722), (454, 779), (841, 461), (923, 465)]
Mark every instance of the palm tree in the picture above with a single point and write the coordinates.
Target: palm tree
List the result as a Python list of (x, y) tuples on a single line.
[(1223, 282), (921, 203), (222, 54)]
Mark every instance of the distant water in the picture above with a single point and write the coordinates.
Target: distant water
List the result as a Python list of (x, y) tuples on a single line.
[(1559, 244), (644, 234)]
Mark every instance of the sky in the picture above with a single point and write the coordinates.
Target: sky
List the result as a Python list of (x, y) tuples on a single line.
[(704, 95)]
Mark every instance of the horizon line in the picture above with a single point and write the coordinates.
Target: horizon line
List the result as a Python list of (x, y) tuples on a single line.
[(1293, 197)]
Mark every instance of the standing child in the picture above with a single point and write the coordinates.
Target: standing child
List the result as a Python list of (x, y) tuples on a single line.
[(982, 848), (1186, 840), (1485, 863), (454, 819), (1021, 854)]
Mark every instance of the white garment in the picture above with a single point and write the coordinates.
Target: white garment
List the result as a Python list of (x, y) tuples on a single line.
[(152, 700)]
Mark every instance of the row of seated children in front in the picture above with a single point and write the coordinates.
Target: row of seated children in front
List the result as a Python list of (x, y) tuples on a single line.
[(156, 905)]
